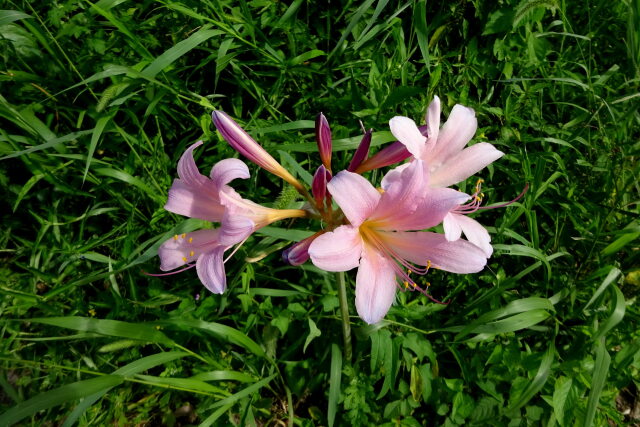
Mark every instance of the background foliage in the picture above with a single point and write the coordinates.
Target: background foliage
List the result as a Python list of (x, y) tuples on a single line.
[(98, 102)]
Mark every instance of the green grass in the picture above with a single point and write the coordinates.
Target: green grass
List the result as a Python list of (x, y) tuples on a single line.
[(98, 102)]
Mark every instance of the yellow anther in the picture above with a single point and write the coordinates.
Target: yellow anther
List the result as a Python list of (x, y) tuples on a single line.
[(184, 258), (428, 284), (175, 237), (414, 285), (191, 253), (184, 235), (406, 284), (409, 271), (428, 263), (190, 239)]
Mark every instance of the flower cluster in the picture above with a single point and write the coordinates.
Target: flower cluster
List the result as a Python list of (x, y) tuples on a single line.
[(379, 231)]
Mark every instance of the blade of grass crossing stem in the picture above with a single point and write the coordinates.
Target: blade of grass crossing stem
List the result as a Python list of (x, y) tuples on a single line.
[(600, 371), (115, 328), (217, 414), (244, 392), (335, 376), (616, 315), (539, 380), (223, 332), (352, 23), (181, 48), (613, 274), (420, 24), (132, 368), (58, 396), (95, 137)]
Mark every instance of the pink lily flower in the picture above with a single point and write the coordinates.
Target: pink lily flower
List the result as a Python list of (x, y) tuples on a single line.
[(379, 239), (449, 162), (211, 199), (443, 150)]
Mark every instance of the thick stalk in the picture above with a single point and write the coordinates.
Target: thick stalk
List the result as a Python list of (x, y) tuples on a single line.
[(344, 311)]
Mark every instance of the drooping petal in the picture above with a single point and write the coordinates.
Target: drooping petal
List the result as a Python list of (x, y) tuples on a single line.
[(454, 135), (452, 229), (475, 233), (194, 201), (464, 164), (408, 134), (210, 267), (433, 119), (227, 170), (187, 247), (420, 247), (355, 195), (389, 155), (337, 250), (375, 286)]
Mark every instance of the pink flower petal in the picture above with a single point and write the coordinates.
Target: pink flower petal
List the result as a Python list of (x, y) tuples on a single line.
[(375, 286), (476, 233), (465, 164), (187, 247), (210, 267), (452, 229), (355, 195), (407, 132), (432, 209), (227, 170), (338, 250), (433, 119), (194, 201), (188, 170), (234, 229), (420, 247), (454, 135), (404, 189)]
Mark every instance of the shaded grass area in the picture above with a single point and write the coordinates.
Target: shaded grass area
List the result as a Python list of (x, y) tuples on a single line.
[(98, 102)]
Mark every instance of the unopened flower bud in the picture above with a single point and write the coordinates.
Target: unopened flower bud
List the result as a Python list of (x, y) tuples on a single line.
[(248, 147), (323, 138)]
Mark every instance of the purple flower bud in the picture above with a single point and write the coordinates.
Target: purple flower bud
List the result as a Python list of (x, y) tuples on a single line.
[(248, 147), (361, 152), (298, 253), (319, 185), (392, 153), (323, 138)]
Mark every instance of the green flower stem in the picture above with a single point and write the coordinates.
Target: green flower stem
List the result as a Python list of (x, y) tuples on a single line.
[(344, 310)]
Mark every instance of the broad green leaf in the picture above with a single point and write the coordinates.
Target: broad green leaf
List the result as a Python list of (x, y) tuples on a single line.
[(8, 16), (59, 396), (115, 328), (223, 332), (598, 379), (335, 377), (314, 332), (180, 49), (538, 381)]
